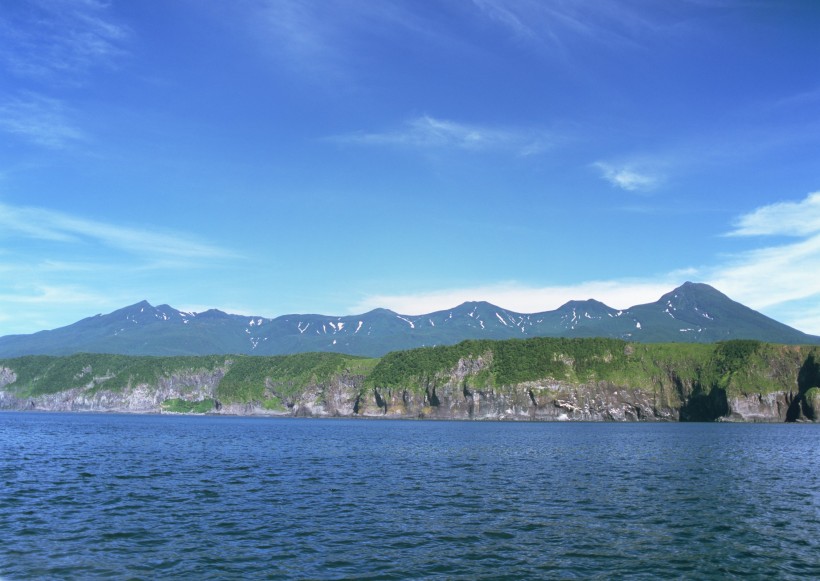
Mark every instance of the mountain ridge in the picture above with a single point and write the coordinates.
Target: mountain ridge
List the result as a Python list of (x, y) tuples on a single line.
[(691, 313)]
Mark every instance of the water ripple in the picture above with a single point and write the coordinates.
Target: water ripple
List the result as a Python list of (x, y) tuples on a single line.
[(99, 496)]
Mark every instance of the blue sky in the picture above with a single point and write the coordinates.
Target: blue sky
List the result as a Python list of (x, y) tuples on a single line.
[(277, 156)]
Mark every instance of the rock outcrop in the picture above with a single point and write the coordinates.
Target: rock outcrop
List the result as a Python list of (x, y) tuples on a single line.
[(742, 382), (346, 396), (138, 398)]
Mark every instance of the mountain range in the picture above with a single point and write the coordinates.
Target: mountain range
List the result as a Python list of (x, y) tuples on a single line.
[(692, 313)]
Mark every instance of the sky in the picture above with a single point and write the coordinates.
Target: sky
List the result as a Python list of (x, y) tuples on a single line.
[(270, 157)]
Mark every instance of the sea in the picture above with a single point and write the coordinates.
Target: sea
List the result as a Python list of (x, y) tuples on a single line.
[(93, 496)]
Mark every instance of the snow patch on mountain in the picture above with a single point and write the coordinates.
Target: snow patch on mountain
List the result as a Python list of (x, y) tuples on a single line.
[(408, 321)]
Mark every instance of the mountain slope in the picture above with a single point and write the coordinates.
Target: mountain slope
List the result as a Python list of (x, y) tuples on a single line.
[(706, 314), (695, 313)]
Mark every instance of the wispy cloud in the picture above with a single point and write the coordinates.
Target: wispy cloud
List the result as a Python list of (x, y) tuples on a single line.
[(300, 35), (428, 132), (52, 295), (507, 16), (783, 218), (48, 225), (32, 305), (60, 40), (735, 143), (557, 25), (780, 280), (49, 44), (326, 41), (39, 120), (629, 177), (331, 40), (803, 99), (775, 275), (55, 266), (769, 276)]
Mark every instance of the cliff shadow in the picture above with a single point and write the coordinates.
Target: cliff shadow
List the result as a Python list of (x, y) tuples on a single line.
[(703, 406), (807, 377), (380, 401)]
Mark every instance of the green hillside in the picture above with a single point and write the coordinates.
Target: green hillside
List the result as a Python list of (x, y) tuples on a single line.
[(700, 379), (276, 380), (731, 365), (43, 374)]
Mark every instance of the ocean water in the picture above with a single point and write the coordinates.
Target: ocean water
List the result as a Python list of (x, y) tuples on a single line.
[(102, 496)]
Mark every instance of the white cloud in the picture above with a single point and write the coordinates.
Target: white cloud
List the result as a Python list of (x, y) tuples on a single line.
[(60, 40), (778, 277), (329, 38), (781, 281), (56, 268), (53, 295), (39, 120), (628, 176), (33, 302), (776, 282), (428, 132), (524, 298), (41, 224), (506, 15), (801, 314), (783, 218), (556, 25), (326, 41), (300, 33), (767, 277)]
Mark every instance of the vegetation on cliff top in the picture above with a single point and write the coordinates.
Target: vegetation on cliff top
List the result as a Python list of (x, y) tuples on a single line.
[(736, 367), (274, 379), (45, 374), (240, 378), (733, 368), (183, 406)]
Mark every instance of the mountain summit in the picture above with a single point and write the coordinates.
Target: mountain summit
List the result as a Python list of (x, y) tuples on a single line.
[(693, 312)]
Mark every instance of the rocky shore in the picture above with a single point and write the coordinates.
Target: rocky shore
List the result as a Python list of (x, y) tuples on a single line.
[(451, 399), (535, 379)]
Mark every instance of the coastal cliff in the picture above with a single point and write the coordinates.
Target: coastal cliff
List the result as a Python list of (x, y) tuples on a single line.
[(534, 379)]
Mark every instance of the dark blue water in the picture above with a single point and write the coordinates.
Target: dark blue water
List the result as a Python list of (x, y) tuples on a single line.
[(92, 496)]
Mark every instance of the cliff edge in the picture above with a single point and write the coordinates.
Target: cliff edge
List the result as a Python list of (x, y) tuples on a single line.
[(533, 379)]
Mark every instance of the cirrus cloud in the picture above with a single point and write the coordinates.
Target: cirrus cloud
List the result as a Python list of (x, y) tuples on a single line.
[(39, 120), (783, 218), (50, 225), (629, 177), (427, 132), (60, 40)]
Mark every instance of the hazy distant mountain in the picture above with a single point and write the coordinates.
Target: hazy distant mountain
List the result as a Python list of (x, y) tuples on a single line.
[(691, 313)]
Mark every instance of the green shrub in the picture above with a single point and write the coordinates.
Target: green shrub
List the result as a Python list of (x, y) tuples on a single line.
[(183, 406)]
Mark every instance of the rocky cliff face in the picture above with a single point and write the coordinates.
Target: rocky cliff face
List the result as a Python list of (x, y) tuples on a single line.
[(7, 376), (139, 398), (550, 401), (770, 407), (451, 398), (448, 395)]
